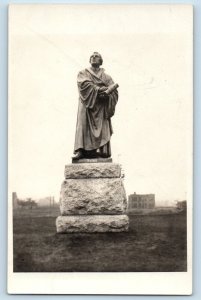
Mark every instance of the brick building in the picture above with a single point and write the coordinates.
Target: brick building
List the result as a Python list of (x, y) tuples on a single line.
[(136, 201)]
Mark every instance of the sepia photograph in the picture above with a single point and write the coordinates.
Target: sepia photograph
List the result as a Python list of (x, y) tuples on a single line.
[(100, 149)]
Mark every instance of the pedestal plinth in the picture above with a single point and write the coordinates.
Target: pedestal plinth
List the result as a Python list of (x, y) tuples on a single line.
[(93, 199)]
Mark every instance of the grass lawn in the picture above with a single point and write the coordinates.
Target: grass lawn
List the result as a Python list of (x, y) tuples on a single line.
[(154, 243)]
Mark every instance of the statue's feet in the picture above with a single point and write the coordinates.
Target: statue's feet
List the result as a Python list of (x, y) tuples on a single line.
[(88, 154), (78, 155)]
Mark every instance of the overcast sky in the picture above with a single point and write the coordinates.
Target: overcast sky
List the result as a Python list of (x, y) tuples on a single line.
[(147, 49)]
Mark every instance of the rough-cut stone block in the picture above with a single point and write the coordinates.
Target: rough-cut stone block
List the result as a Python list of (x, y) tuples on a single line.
[(93, 196), (93, 223), (92, 160), (95, 170)]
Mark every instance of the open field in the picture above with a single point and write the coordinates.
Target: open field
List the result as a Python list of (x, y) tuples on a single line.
[(154, 243)]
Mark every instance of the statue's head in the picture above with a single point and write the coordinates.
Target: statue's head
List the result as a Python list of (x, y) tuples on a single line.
[(96, 59)]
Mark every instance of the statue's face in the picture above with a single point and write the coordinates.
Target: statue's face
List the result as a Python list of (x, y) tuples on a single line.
[(95, 59)]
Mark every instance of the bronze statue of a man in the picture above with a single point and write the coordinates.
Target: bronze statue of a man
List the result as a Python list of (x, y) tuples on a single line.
[(98, 96)]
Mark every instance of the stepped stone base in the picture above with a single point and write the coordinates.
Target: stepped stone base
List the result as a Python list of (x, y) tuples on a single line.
[(92, 223), (92, 198)]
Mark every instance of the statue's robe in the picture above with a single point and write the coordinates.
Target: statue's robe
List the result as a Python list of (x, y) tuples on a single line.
[(94, 128)]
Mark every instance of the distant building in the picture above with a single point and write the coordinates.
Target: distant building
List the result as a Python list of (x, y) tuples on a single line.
[(15, 200), (136, 201)]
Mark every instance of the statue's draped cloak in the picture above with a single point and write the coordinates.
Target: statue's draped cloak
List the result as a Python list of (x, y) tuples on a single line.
[(94, 129)]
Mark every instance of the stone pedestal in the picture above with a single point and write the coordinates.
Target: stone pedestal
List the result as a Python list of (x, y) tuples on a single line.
[(93, 199)]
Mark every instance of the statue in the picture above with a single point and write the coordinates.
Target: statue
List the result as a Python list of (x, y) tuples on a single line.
[(92, 197), (98, 96)]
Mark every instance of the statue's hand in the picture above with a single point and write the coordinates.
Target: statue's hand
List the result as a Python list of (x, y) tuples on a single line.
[(102, 89)]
